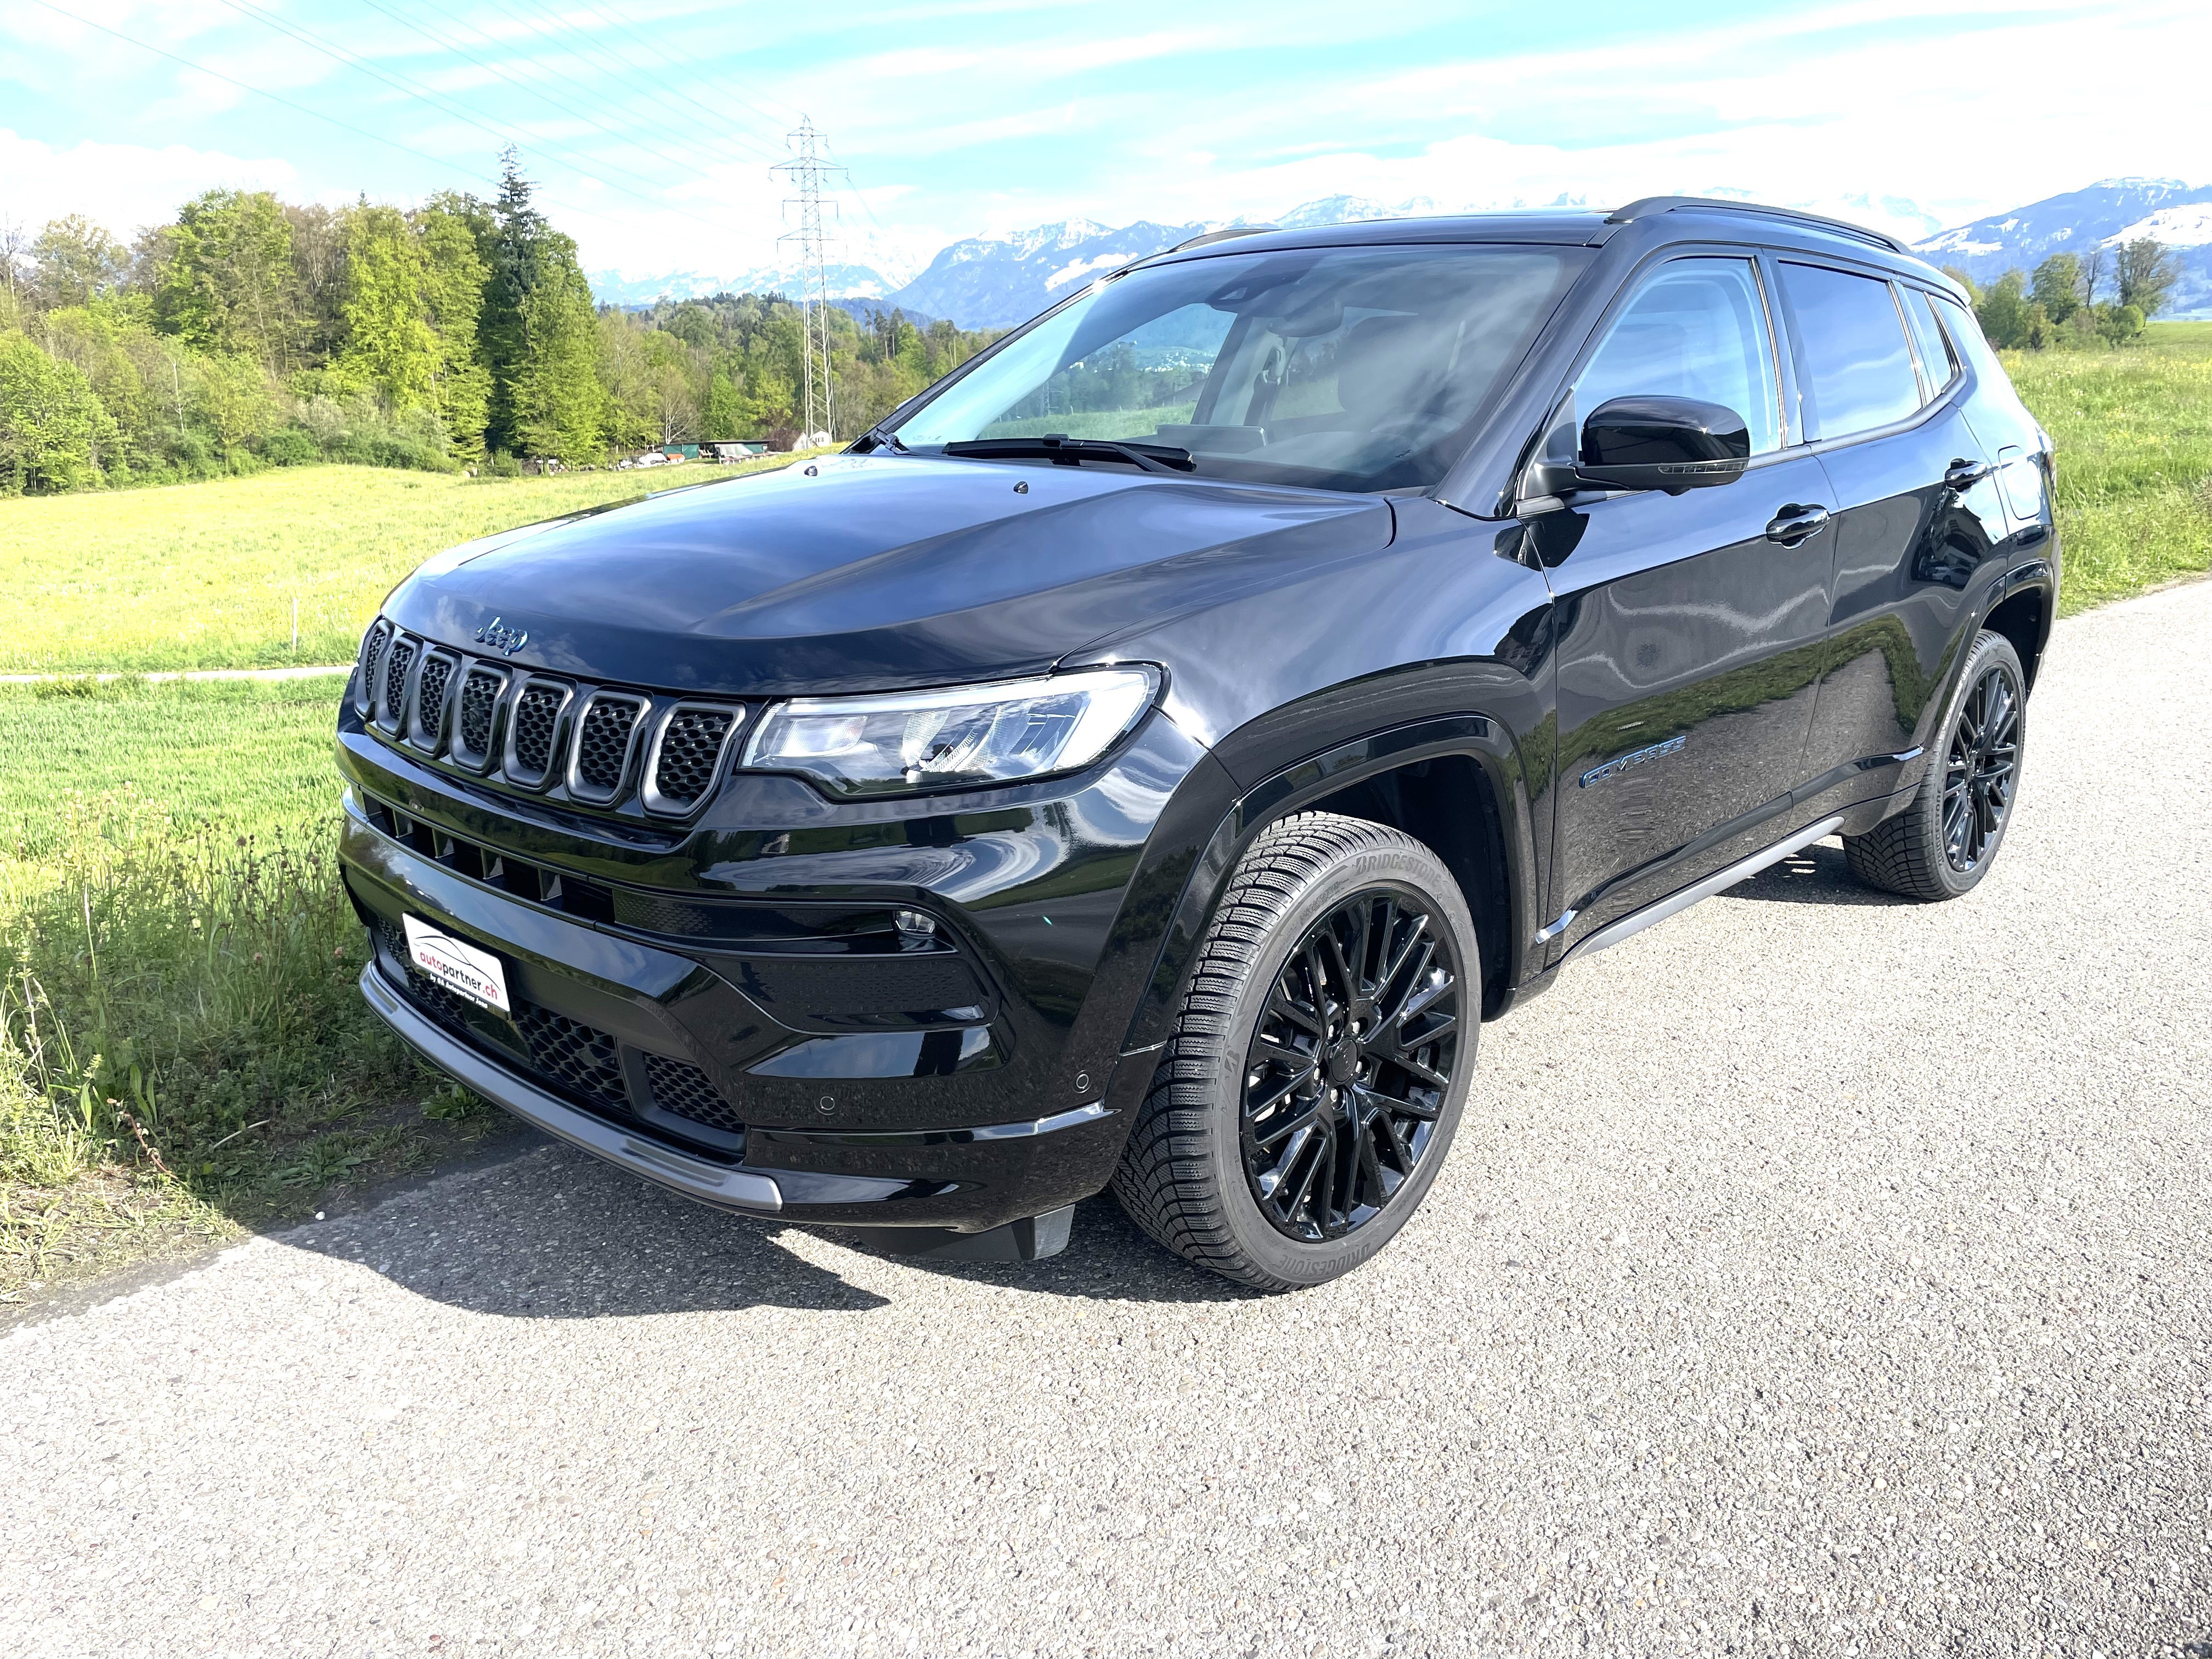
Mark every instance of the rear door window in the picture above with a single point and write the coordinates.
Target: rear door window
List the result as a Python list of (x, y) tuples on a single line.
[(1697, 329), (1854, 367)]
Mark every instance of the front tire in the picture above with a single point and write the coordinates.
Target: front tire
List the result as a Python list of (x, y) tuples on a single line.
[(1319, 1060), (1944, 844)]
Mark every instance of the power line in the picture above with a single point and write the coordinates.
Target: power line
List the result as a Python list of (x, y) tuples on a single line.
[(535, 91), (617, 67), (423, 94), (712, 114)]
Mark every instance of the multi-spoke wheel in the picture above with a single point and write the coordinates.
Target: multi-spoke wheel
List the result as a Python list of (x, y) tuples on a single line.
[(1941, 845), (1346, 1074), (1319, 1060)]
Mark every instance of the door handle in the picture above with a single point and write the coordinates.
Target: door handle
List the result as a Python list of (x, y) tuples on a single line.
[(1965, 475), (1794, 524)]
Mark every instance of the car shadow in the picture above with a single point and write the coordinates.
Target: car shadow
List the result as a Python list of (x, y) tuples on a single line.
[(553, 1233), (1818, 875)]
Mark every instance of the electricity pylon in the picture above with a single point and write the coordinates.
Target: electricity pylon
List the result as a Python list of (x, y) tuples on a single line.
[(807, 170)]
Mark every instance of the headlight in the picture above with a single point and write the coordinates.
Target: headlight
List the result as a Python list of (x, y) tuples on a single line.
[(971, 736)]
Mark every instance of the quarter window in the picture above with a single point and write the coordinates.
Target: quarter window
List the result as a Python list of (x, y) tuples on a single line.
[(1853, 364), (1939, 361), (1698, 329)]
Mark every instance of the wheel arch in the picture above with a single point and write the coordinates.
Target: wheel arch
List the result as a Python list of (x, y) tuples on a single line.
[(1456, 783), (2023, 616)]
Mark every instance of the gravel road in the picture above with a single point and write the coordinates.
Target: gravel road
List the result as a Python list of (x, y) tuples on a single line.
[(1813, 1275)]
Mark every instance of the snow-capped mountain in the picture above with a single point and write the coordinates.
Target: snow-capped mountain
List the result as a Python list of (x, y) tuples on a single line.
[(995, 281), (2107, 213), (614, 287)]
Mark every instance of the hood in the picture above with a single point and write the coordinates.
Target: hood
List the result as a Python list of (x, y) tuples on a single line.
[(870, 572)]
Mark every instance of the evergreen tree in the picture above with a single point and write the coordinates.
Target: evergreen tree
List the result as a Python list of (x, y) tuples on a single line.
[(519, 233), (554, 402)]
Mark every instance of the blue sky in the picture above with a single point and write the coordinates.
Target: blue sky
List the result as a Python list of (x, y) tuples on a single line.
[(653, 124)]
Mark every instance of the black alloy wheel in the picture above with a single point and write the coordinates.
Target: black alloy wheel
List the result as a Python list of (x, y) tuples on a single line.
[(1348, 1072), (1978, 773), (1319, 1060), (1943, 842)]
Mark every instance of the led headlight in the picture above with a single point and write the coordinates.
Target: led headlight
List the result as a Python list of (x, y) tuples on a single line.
[(965, 738)]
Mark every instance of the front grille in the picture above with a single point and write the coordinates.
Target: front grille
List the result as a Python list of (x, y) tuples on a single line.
[(581, 1057), (477, 715), (396, 662), (430, 698), (437, 700), (690, 749), (603, 744), (682, 1088), (536, 712)]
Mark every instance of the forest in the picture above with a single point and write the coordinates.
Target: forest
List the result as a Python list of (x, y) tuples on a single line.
[(251, 332)]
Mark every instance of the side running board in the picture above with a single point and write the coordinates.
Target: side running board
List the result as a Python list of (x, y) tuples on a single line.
[(1636, 920)]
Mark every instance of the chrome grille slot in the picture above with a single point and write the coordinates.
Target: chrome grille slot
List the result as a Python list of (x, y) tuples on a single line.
[(532, 725), (398, 664), (428, 728), (372, 657), (477, 715), (605, 733), (687, 754)]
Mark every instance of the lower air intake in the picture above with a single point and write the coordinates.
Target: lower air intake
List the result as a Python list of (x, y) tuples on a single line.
[(682, 1088), (579, 1056)]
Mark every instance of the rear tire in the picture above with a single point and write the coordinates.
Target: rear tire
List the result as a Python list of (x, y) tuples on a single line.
[(1319, 1060), (1944, 844)]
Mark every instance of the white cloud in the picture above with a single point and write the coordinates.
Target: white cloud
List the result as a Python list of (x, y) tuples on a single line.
[(122, 186)]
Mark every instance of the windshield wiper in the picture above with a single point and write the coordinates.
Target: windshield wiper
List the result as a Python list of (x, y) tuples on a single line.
[(876, 438), (1072, 452)]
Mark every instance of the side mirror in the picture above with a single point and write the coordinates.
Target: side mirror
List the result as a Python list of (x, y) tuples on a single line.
[(1672, 444)]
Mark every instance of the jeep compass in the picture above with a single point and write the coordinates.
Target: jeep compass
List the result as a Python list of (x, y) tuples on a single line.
[(1147, 757)]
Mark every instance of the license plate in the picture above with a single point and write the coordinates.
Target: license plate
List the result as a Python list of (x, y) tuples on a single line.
[(476, 975)]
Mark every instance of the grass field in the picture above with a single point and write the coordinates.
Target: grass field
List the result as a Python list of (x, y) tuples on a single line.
[(2134, 431), (205, 575), (182, 1050)]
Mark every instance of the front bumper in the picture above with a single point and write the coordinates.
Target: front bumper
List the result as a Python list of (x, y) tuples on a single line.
[(645, 1051)]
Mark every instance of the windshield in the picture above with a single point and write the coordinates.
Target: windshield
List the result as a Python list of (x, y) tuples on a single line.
[(1345, 368)]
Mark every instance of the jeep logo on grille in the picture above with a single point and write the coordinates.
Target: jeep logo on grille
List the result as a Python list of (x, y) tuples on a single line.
[(508, 640)]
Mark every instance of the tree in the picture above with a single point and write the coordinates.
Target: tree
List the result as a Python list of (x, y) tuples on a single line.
[(452, 281), (2145, 271), (234, 402), (2057, 287), (75, 261), (723, 414), (227, 284), (51, 424), (2002, 310), (555, 401), (389, 345), (519, 233), (319, 277)]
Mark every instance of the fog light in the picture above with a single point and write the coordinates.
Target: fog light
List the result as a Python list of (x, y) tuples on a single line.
[(914, 923)]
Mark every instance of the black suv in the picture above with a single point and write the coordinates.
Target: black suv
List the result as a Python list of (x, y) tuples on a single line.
[(1145, 758)]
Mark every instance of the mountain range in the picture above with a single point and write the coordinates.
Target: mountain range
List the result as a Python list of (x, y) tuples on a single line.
[(2107, 213), (998, 281)]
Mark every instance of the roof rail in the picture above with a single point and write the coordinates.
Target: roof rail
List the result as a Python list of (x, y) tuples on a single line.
[(1646, 206), (1220, 236)]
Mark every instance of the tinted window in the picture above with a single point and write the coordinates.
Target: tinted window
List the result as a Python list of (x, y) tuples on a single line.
[(1348, 369), (1989, 379), (1698, 329), (1939, 361), (1854, 367)]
